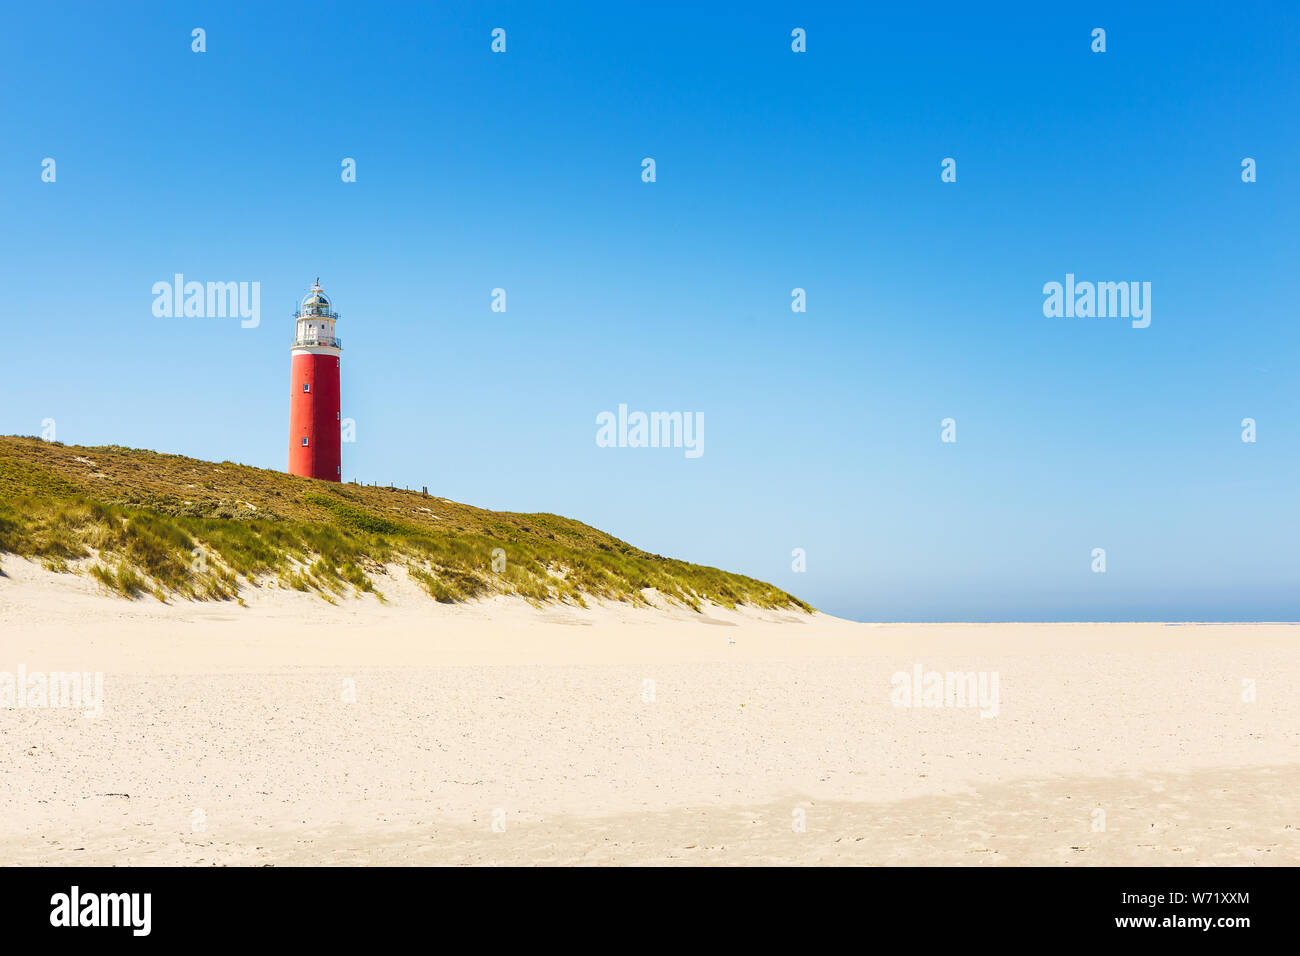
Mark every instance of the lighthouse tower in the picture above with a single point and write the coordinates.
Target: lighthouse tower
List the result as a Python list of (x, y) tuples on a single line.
[(315, 447)]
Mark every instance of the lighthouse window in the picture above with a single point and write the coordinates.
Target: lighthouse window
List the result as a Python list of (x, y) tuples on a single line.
[(306, 386), (304, 441)]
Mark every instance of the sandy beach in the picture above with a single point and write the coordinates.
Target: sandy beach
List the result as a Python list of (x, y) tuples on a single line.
[(293, 731)]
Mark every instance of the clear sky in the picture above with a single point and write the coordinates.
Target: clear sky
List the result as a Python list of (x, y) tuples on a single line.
[(774, 170)]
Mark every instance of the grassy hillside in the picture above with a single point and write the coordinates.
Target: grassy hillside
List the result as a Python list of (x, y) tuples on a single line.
[(169, 525)]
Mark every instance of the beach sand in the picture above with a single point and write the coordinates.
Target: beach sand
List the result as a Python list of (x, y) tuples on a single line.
[(292, 731)]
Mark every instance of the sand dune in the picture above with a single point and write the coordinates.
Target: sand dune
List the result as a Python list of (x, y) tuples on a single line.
[(292, 731)]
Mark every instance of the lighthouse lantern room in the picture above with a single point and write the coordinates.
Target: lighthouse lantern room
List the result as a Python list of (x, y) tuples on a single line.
[(315, 445)]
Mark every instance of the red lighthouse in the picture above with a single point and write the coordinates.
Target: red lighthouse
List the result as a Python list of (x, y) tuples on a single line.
[(315, 445)]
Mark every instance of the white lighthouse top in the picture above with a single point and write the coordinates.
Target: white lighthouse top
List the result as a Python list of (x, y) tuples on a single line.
[(316, 318), (316, 302)]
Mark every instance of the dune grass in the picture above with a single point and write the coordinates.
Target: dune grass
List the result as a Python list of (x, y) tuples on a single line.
[(169, 525)]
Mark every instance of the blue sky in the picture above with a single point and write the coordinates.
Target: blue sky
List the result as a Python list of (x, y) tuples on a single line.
[(775, 170)]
